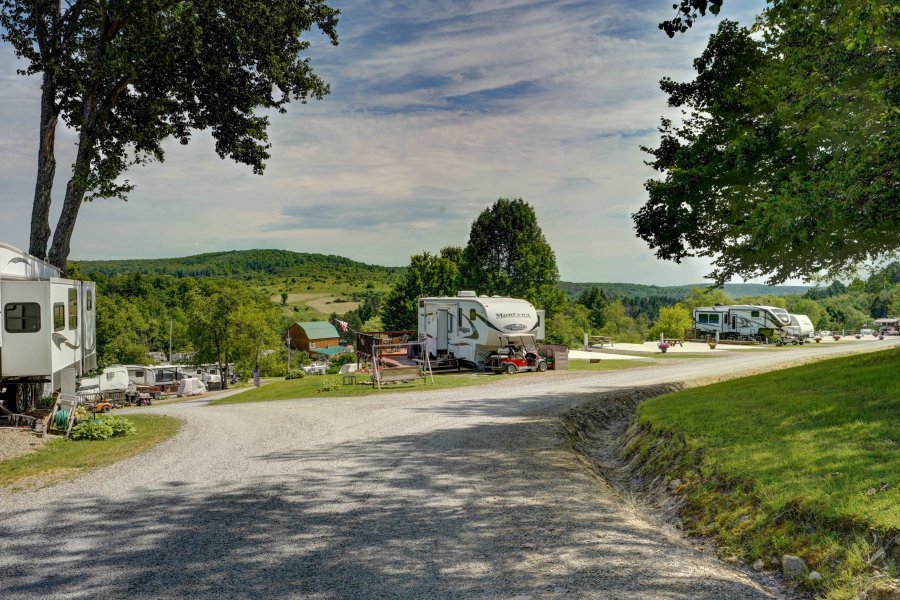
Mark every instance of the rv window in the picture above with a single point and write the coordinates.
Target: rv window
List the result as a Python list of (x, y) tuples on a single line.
[(59, 316), (110, 375), (73, 309), (22, 317), (459, 315), (90, 300), (754, 313), (714, 319), (312, 344), (139, 374), (472, 314), (703, 318)]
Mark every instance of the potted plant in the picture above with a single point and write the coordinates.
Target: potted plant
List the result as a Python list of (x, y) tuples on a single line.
[(818, 339), (836, 337), (712, 343), (663, 346)]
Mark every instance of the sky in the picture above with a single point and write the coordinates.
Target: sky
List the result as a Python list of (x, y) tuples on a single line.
[(437, 108)]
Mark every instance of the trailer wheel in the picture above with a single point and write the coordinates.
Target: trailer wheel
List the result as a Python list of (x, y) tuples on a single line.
[(542, 366), (106, 409), (510, 369)]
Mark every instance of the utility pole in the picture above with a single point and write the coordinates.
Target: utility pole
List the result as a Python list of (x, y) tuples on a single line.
[(170, 339)]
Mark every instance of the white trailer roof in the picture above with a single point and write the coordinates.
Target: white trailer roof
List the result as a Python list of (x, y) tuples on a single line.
[(18, 264)]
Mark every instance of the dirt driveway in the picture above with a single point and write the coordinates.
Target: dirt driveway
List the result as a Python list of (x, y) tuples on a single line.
[(464, 493)]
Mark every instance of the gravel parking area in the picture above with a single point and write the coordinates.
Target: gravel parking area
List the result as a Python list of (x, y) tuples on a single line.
[(459, 493), (16, 442)]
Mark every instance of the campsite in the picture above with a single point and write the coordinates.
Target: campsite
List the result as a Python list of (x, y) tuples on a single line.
[(423, 300)]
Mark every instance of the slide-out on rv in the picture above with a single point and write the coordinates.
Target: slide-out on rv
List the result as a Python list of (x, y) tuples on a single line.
[(468, 327), (47, 325)]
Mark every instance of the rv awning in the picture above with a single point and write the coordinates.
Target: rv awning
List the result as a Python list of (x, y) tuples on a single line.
[(330, 350)]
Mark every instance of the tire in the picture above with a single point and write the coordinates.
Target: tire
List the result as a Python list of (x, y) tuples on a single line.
[(510, 369), (106, 409), (542, 366)]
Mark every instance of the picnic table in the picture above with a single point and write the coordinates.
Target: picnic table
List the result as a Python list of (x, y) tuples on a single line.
[(673, 341), (600, 340)]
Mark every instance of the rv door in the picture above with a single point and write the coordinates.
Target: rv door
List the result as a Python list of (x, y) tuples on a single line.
[(88, 325), (443, 326)]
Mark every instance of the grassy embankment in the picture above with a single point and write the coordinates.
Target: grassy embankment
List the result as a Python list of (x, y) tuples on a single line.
[(804, 461), (62, 459), (309, 386)]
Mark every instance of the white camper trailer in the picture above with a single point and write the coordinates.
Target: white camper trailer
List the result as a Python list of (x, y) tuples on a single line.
[(467, 327), (47, 324), (741, 321), (112, 384), (801, 328)]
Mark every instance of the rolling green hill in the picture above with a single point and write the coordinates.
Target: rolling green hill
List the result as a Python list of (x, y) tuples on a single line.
[(243, 264), (637, 290)]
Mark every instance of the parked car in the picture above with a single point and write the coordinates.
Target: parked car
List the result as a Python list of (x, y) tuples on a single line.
[(825, 333)]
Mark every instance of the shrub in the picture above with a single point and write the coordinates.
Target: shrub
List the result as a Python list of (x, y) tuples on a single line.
[(329, 384), (295, 374), (120, 426), (92, 429)]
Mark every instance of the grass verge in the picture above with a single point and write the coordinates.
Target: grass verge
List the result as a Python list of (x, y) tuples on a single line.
[(62, 459), (606, 364), (804, 461)]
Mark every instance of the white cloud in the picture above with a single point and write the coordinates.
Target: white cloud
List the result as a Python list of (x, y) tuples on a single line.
[(437, 109)]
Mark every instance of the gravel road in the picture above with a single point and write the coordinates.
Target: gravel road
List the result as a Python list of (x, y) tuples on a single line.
[(461, 493)]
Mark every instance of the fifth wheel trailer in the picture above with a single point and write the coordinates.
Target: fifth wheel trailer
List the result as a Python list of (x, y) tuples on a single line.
[(468, 327), (741, 321), (47, 325)]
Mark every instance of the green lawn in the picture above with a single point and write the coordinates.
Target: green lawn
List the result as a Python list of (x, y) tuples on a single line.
[(804, 460), (309, 386), (62, 459)]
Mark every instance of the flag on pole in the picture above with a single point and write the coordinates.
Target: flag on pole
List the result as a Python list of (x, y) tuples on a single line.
[(344, 325)]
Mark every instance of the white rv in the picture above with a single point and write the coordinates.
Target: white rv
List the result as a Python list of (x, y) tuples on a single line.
[(47, 324), (741, 321), (113, 384), (467, 327), (801, 328)]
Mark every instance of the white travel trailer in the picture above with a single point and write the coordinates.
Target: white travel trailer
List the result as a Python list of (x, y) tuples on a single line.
[(47, 325), (801, 328), (113, 384), (740, 321), (468, 327)]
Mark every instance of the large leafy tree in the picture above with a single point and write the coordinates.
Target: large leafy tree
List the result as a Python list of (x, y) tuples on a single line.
[(508, 255), (128, 74), (427, 275), (784, 164)]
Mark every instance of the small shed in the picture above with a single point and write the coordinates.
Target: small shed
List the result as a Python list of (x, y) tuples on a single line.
[(316, 337)]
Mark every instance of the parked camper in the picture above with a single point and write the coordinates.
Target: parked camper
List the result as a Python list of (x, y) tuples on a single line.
[(467, 328), (888, 326), (113, 384), (47, 325), (801, 329), (741, 321)]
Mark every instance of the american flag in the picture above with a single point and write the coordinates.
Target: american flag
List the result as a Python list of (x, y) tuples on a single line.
[(343, 324)]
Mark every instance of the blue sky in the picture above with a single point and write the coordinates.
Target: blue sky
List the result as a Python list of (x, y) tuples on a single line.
[(437, 109)]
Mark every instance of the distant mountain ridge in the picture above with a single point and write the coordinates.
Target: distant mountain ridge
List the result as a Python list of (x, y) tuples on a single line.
[(235, 263), (677, 292), (249, 264)]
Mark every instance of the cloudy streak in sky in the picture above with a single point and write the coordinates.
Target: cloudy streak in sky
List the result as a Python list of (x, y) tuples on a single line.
[(437, 109)]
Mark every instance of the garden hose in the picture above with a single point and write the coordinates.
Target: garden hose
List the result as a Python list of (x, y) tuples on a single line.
[(61, 418)]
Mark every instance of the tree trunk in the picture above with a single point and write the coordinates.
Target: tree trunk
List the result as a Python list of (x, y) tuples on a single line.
[(75, 191), (40, 212)]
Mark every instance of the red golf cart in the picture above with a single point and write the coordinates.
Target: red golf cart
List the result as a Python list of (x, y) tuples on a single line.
[(516, 353)]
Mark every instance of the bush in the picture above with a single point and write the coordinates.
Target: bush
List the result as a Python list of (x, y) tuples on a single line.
[(344, 358), (120, 426), (329, 384), (295, 374), (93, 429)]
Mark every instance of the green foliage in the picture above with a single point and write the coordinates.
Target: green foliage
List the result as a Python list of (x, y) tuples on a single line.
[(785, 162), (295, 374), (815, 476), (91, 429), (705, 297), (120, 426), (508, 255), (329, 384), (673, 322), (426, 275)]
